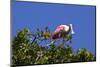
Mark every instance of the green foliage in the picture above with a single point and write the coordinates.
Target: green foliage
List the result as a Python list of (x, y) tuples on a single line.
[(25, 51)]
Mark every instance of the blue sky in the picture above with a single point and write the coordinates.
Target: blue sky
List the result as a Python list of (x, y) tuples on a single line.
[(39, 15)]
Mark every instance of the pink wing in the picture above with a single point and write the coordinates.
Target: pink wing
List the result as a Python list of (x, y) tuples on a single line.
[(59, 28), (57, 32)]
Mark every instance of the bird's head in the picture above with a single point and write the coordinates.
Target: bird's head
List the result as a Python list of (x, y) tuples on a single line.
[(66, 28)]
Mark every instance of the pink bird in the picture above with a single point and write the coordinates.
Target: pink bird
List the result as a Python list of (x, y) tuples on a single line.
[(62, 30)]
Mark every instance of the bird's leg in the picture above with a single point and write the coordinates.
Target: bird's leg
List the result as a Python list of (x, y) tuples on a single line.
[(64, 41)]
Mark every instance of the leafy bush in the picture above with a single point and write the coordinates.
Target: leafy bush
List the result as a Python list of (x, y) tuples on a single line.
[(27, 49)]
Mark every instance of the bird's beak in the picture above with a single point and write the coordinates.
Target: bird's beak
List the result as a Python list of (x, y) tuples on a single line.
[(72, 31)]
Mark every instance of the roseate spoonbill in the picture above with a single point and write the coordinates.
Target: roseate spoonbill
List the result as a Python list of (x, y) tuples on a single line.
[(62, 30)]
